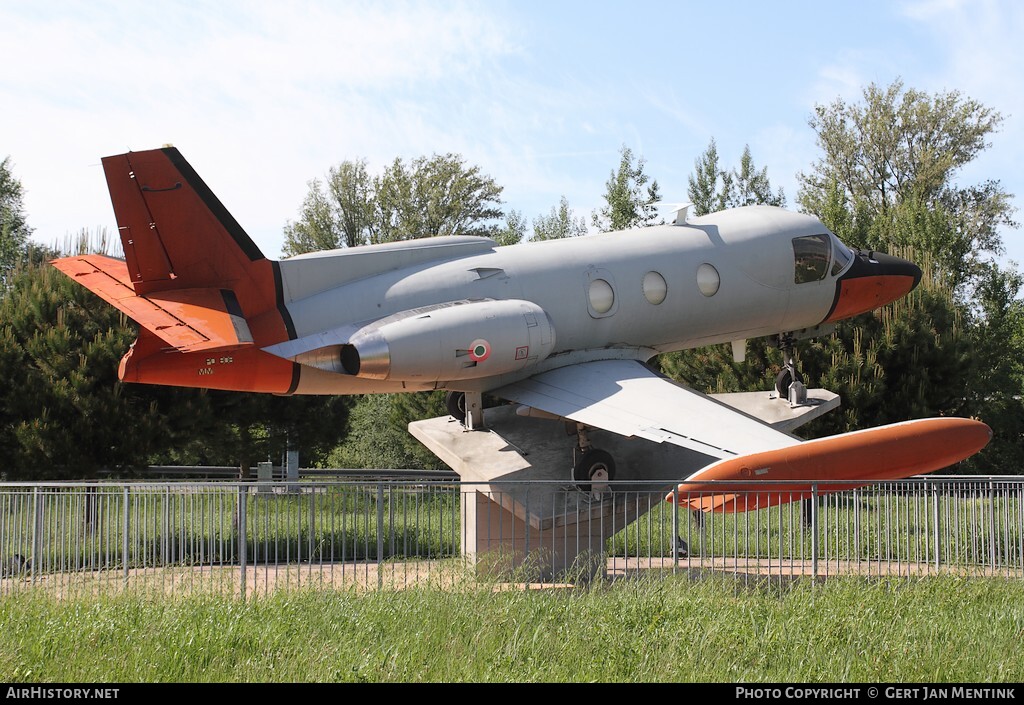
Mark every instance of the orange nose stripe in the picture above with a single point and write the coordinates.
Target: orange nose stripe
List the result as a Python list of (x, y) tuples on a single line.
[(864, 294)]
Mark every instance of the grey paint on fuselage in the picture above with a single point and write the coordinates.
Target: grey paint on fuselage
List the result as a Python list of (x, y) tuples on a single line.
[(751, 249)]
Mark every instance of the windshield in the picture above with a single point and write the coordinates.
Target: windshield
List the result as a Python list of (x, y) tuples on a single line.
[(811, 254), (843, 256)]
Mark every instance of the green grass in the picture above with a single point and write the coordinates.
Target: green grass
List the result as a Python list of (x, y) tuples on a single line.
[(939, 629)]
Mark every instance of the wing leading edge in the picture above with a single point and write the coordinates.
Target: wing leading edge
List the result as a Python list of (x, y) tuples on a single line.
[(629, 398)]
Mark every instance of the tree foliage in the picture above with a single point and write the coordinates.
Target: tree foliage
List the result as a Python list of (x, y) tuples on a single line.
[(953, 346), (64, 414), (379, 437), (429, 196), (513, 231), (558, 224), (901, 145), (713, 189), (629, 198), (14, 229)]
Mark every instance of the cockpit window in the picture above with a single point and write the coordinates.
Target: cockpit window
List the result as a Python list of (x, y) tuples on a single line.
[(811, 254), (843, 257)]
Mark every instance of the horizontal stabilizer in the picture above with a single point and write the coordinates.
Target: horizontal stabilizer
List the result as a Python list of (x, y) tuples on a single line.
[(832, 464), (190, 320)]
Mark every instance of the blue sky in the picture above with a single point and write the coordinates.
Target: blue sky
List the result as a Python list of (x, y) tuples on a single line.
[(261, 97)]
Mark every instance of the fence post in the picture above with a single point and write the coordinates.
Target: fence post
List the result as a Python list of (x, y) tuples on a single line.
[(37, 516), (242, 539), (814, 532), (856, 524), (380, 535), (165, 545), (935, 522), (675, 528), (124, 540), (992, 524)]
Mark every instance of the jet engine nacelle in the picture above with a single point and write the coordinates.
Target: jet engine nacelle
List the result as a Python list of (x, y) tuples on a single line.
[(453, 341)]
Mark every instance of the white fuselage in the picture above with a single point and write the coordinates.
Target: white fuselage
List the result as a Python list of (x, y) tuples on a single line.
[(723, 277)]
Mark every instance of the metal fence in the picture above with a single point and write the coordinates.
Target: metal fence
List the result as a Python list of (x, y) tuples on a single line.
[(253, 538)]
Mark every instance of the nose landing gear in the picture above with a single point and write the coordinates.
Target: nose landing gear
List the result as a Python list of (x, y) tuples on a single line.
[(789, 383)]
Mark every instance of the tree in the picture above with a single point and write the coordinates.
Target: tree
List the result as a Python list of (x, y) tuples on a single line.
[(887, 180), (14, 229), (704, 190), (250, 428), (64, 414), (630, 201), (334, 215), (379, 437), (713, 189), (439, 195), (429, 196), (899, 145), (558, 224), (514, 230)]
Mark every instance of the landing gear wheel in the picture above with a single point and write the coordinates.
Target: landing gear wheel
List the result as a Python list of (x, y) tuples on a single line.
[(784, 381), (455, 403), (594, 470)]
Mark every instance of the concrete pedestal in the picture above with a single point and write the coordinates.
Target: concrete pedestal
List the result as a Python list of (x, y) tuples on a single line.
[(521, 509)]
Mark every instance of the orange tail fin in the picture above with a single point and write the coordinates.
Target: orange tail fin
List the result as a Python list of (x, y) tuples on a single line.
[(191, 276)]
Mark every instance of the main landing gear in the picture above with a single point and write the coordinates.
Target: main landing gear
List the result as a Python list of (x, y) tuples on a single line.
[(455, 403), (594, 468), (466, 407), (789, 383)]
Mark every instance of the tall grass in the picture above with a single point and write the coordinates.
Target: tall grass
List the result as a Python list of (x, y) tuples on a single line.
[(939, 629)]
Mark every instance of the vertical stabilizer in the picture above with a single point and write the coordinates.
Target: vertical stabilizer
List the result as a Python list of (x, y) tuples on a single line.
[(176, 234)]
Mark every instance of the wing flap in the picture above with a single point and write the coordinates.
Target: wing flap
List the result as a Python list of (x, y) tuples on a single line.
[(190, 320), (630, 399)]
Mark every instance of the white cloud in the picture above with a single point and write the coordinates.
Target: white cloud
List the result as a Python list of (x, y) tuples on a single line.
[(260, 96)]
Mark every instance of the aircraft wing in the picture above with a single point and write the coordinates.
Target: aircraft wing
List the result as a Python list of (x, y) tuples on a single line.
[(629, 398)]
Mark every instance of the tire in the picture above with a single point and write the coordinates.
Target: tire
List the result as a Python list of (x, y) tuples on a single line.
[(594, 467), (455, 403), (784, 381)]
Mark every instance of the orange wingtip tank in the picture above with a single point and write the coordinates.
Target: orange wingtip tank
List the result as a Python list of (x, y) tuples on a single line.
[(783, 475)]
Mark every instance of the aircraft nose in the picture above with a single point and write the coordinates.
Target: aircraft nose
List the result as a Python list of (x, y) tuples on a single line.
[(874, 279)]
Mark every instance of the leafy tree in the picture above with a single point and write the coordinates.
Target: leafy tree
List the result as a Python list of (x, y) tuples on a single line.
[(439, 195), (713, 189), (749, 186), (379, 437), (900, 145), (335, 214), (250, 428), (938, 351), (14, 229), (429, 196), (704, 190), (888, 180), (64, 413), (630, 201), (996, 388), (558, 224), (514, 230)]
